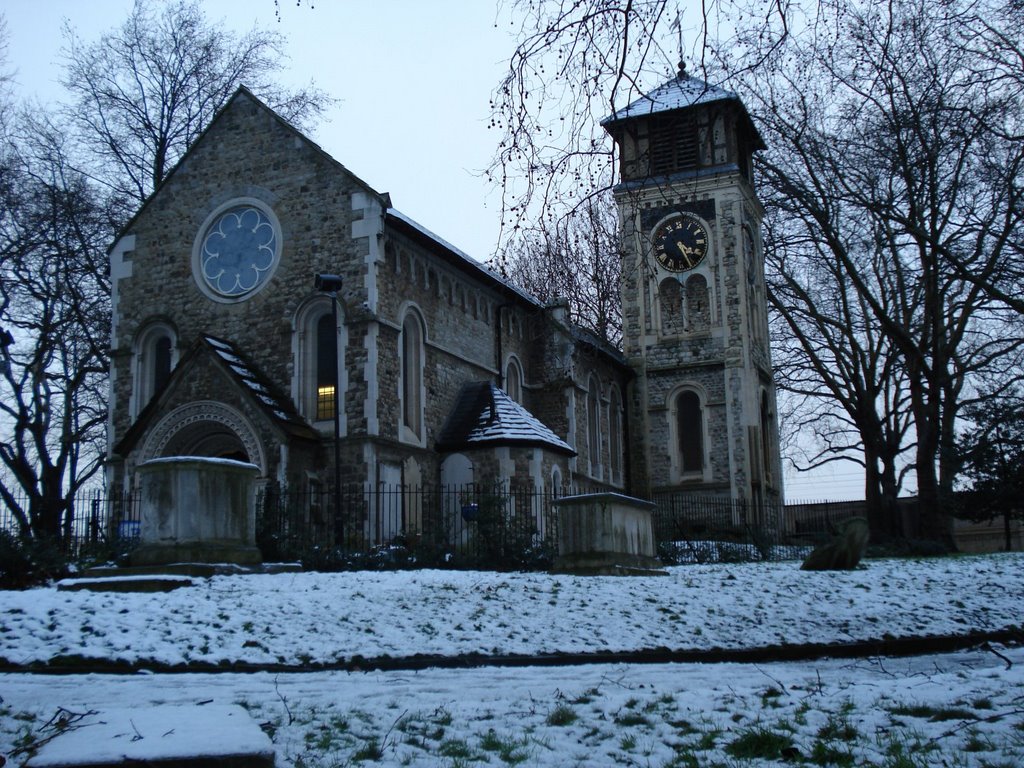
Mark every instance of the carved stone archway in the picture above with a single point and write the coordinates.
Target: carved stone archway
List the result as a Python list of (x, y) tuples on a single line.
[(205, 428)]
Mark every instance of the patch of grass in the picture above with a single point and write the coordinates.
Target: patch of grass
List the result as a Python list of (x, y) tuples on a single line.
[(760, 744), (683, 760), (631, 719), (903, 754), (587, 696), (770, 697), (837, 729), (456, 748), (977, 743), (370, 750), (627, 743), (708, 739), (562, 715), (685, 727), (827, 755), (510, 751), (800, 715)]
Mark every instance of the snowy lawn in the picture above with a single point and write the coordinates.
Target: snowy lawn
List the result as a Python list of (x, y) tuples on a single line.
[(964, 709)]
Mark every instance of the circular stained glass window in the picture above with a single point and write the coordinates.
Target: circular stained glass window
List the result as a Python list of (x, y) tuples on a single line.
[(238, 252)]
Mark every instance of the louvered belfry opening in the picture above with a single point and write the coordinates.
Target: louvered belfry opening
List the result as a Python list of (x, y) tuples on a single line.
[(673, 144)]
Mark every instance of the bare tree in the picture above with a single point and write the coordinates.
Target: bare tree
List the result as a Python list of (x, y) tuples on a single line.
[(895, 149), (578, 259), (54, 303), (896, 174), (845, 384), (145, 91), (576, 62)]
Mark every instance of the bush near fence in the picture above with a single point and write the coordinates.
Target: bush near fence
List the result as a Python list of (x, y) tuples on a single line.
[(500, 527)]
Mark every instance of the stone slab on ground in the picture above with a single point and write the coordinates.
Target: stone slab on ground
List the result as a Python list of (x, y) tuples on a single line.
[(211, 736), (202, 570), (126, 584)]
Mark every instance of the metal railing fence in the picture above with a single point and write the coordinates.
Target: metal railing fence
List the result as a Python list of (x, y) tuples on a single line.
[(498, 527)]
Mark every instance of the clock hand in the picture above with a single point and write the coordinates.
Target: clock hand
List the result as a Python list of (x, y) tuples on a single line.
[(686, 251)]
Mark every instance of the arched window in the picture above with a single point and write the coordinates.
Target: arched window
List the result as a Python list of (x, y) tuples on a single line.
[(556, 481), (326, 368), (689, 414), (514, 380), (411, 385), (754, 312), (155, 356), (594, 426), (615, 435), (698, 308), (319, 349), (671, 302)]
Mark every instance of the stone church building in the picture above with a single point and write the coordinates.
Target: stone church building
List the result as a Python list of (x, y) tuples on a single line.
[(429, 367)]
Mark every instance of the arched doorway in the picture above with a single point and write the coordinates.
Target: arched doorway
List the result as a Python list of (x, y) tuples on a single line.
[(208, 429)]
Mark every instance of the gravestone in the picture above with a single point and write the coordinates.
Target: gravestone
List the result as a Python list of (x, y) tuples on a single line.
[(605, 534), (844, 552), (165, 736), (197, 510)]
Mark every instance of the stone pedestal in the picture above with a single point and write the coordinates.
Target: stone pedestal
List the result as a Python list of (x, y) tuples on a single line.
[(197, 510), (605, 533)]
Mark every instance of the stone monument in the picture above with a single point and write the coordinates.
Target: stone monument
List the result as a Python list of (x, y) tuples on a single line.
[(605, 534), (197, 510)]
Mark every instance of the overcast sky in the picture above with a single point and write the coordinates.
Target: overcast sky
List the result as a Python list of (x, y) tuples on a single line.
[(412, 79)]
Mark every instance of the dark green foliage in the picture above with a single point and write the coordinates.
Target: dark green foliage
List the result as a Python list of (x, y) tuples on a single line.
[(27, 562), (992, 458)]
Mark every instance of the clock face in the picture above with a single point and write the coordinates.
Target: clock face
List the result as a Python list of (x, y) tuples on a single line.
[(239, 252), (680, 243)]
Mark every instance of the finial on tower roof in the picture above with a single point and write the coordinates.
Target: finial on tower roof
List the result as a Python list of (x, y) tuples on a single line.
[(682, 70)]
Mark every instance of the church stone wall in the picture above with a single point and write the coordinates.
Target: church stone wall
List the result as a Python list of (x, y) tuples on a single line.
[(248, 154)]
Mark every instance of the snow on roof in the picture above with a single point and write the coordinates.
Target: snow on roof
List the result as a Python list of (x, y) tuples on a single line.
[(678, 93), (485, 415), (280, 408), (463, 256)]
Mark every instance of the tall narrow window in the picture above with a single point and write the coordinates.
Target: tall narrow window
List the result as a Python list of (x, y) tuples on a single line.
[(556, 482), (690, 432), (594, 426), (319, 371), (161, 362), (514, 380), (766, 441), (615, 435), (411, 347), (153, 363), (326, 367)]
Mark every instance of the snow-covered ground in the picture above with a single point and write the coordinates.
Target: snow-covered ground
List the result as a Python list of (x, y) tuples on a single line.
[(955, 709)]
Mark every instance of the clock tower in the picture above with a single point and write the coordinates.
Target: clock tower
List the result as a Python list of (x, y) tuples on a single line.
[(703, 407)]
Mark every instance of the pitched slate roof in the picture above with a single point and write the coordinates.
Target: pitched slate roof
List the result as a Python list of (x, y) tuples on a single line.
[(484, 416), (278, 407), (681, 92), (458, 257)]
